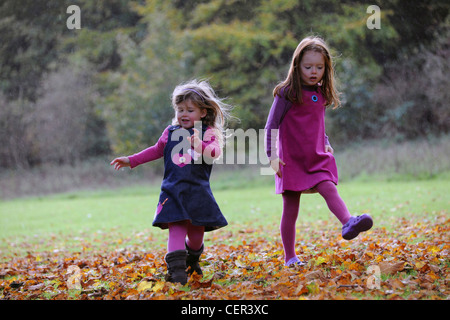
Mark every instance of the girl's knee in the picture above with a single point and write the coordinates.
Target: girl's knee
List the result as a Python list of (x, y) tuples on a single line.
[(326, 187)]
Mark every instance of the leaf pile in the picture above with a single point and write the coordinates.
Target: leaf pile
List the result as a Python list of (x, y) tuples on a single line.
[(410, 262)]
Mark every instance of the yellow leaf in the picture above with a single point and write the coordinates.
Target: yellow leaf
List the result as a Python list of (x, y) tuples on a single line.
[(434, 249), (320, 260), (144, 285), (420, 264), (158, 286), (239, 263)]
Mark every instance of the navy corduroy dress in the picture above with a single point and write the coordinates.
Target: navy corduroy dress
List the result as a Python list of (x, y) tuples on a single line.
[(185, 191)]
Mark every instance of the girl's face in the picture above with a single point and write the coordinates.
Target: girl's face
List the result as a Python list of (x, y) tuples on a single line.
[(312, 67), (187, 113)]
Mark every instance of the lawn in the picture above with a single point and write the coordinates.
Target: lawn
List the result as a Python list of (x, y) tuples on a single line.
[(108, 236)]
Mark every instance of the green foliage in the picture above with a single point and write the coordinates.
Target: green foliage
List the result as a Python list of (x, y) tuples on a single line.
[(138, 106), (28, 47), (138, 51)]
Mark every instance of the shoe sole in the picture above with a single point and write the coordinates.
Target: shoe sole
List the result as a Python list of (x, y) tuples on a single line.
[(364, 224)]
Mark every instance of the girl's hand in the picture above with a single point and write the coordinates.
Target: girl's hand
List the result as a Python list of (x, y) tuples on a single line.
[(120, 162), (195, 141), (329, 149), (275, 164)]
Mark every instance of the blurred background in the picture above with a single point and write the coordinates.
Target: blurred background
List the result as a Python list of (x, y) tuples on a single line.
[(72, 99)]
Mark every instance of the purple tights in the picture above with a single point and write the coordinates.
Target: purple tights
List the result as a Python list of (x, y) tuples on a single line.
[(178, 232), (291, 204)]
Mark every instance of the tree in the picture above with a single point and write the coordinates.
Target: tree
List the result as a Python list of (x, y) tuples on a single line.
[(30, 32), (63, 119), (136, 103)]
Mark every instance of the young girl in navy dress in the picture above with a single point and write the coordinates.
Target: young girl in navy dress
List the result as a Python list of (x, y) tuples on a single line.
[(189, 146), (304, 161)]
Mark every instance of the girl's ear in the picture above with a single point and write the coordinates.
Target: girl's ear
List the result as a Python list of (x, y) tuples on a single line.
[(203, 113)]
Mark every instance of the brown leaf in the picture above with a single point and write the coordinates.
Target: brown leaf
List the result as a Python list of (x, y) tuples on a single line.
[(391, 268), (314, 275), (195, 284), (249, 265), (36, 286)]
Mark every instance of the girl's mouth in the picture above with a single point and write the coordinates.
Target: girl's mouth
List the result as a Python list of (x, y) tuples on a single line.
[(185, 122)]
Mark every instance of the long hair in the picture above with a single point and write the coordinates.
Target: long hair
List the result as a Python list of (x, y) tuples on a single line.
[(291, 87), (202, 95)]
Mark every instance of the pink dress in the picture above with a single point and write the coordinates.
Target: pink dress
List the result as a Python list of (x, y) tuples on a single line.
[(301, 143)]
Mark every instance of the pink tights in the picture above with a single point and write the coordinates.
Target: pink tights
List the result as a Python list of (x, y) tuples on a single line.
[(178, 232), (291, 205)]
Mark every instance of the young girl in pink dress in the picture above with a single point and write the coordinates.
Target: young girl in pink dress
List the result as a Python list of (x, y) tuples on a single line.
[(304, 161), (186, 204)]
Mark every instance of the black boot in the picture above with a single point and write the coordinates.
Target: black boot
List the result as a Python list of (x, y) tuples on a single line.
[(176, 266), (192, 260)]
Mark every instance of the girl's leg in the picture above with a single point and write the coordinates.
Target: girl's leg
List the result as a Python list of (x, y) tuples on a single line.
[(328, 191), (178, 232), (291, 204), (177, 235), (176, 255), (195, 237), (194, 247)]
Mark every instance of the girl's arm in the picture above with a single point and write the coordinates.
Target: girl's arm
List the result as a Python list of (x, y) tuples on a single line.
[(209, 147), (328, 147), (280, 107), (149, 154), (152, 153), (210, 144)]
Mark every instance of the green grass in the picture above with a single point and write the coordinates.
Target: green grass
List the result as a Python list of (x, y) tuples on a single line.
[(122, 218)]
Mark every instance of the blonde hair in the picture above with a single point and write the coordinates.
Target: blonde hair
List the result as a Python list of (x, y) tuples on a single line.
[(203, 96), (291, 87)]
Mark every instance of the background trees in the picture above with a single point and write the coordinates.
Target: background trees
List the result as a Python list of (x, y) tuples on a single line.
[(70, 94)]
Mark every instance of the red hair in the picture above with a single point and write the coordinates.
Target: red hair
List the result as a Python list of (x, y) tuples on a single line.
[(291, 87)]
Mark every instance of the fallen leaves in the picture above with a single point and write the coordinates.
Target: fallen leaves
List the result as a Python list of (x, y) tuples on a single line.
[(380, 264), (391, 268)]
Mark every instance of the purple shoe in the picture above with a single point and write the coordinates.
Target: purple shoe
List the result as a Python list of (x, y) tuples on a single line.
[(355, 225), (295, 262)]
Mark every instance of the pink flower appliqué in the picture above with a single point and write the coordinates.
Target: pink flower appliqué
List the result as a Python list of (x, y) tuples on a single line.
[(181, 160), (160, 206)]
